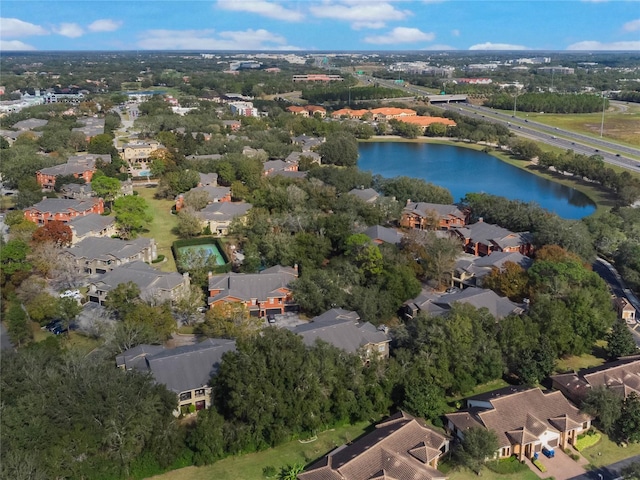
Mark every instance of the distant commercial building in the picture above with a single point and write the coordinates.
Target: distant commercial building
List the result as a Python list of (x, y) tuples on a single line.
[(559, 69), (244, 109), (314, 77)]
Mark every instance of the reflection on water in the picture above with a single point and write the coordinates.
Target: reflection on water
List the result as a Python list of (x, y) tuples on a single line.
[(463, 171)]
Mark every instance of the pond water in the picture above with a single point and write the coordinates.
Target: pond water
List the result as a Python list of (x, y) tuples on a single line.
[(209, 248), (462, 170)]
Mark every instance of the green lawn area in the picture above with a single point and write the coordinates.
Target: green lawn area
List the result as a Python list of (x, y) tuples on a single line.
[(606, 452), (249, 467), (466, 474), (160, 227), (485, 387), (575, 362)]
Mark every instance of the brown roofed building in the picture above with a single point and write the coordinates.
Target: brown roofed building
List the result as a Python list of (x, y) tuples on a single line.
[(347, 112), (625, 310), (621, 376), (62, 209), (387, 113), (80, 166), (432, 216), (483, 238), (424, 122), (400, 448), (525, 421)]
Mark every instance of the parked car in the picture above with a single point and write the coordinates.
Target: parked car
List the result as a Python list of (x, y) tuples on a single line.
[(271, 319), (548, 452), (52, 324)]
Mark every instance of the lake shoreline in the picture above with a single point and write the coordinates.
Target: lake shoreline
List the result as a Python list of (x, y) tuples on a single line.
[(602, 199)]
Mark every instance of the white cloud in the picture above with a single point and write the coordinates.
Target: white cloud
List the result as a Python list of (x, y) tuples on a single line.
[(208, 40), (632, 26), (14, 45), (497, 46), (595, 45), (262, 7), (401, 35), (360, 14), (455, 32), (13, 27), (104, 25), (71, 30)]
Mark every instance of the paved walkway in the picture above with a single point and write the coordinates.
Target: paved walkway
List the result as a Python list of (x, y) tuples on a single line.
[(560, 467)]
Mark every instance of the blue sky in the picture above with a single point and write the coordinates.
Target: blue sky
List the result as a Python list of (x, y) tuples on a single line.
[(320, 25)]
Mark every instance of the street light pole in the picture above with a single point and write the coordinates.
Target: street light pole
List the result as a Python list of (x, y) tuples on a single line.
[(515, 102), (602, 123)]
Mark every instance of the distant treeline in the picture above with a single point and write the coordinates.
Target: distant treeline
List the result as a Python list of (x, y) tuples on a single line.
[(628, 96), (548, 103), (626, 187), (341, 93)]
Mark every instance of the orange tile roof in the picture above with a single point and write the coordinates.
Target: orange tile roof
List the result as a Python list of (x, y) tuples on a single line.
[(393, 111), (350, 113), (426, 121), (295, 109), (315, 108)]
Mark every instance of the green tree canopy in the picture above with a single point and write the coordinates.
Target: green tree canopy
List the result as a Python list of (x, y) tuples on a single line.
[(132, 215)]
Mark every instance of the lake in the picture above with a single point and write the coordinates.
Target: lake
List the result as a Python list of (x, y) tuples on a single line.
[(462, 170)]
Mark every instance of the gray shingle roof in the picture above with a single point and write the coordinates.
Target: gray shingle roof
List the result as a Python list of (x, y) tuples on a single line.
[(147, 278), (389, 235), (90, 223), (224, 211), (215, 193), (30, 123), (340, 328), (489, 234), (182, 368), (365, 194), (189, 367), (109, 248), (436, 303), (251, 285), (421, 208), (63, 205)]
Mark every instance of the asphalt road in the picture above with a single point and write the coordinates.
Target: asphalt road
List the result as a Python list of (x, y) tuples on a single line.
[(610, 472), (611, 152)]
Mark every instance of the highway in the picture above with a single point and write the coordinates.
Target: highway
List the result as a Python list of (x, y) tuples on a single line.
[(612, 153)]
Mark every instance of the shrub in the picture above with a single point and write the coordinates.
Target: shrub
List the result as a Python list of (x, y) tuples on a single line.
[(539, 464), (192, 408), (159, 259), (106, 212), (506, 466), (586, 441), (269, 471)]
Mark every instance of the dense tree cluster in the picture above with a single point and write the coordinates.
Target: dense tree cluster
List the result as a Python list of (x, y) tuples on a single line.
[(626, 187), (71, 416), (341, 93), (548, 102)]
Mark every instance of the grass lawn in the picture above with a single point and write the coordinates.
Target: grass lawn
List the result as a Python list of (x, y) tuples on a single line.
[(606, 452), (623, 127), (574, 363), (466, 474), (249, 467), (160, 227), (485, 387)]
